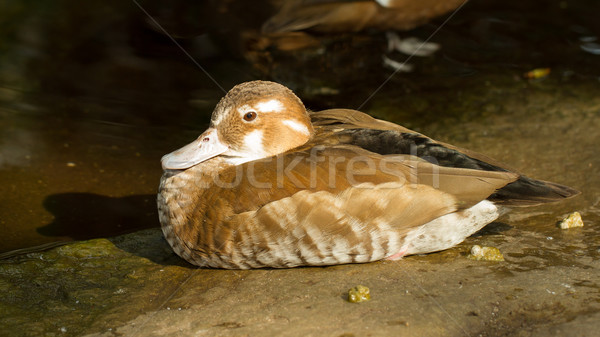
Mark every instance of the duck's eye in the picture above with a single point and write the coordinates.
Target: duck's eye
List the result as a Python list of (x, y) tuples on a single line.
[(249, 116)]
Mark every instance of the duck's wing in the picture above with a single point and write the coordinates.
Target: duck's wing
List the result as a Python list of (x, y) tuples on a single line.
[(335, 169), (353, 127), (316, 198)]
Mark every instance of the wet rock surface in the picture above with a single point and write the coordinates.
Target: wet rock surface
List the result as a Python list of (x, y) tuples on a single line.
[(90, 111)]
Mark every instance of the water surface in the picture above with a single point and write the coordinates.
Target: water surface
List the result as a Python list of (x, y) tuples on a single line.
[(91, 98)]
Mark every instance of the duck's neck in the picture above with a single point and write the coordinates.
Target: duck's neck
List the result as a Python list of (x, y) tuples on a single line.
[(179, 185), (180, 193)]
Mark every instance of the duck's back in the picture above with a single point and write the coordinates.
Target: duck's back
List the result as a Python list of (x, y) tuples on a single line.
[(385, 138)]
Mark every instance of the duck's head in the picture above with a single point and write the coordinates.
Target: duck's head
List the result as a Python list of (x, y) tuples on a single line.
[(254, 120)]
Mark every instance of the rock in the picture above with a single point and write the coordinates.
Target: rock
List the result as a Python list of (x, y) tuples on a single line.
[(571, 221), (486, 253), (359, 294)]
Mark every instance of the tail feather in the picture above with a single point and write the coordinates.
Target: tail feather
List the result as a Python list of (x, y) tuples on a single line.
[(530, 192)]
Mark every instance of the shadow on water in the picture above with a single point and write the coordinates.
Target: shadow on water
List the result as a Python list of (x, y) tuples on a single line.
[(83, 216), (494, 228)]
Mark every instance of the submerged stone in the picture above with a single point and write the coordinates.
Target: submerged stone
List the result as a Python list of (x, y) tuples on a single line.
[(485, 253), (571, 221)]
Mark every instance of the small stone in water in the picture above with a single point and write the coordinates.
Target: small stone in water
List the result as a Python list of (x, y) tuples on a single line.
[(359, 294), (537, 73), (486, 253), (572, 221)]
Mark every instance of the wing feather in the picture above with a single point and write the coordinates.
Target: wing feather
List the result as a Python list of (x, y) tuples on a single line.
[(345, 126)]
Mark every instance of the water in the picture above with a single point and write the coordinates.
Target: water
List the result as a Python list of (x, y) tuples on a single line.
[(91, 98), (85, 117)]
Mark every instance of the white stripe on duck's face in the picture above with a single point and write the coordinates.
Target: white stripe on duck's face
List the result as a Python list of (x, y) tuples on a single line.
[(272, 105), (252, 149), (297, 126)]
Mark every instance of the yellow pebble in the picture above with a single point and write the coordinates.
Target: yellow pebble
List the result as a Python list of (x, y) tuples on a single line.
[(486, 253), (537, 73), (359, 294), (573, 220)]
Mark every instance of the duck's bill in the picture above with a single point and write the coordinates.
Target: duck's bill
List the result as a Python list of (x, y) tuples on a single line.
[(205, 147)]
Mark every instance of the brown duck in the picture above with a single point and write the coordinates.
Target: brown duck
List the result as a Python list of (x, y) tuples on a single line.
[(339, 16), (270, 184)]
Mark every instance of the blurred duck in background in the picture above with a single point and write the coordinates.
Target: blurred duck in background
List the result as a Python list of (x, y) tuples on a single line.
[(294, 18), (339, 16)]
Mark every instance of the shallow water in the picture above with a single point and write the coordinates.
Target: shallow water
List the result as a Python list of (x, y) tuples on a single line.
[(86, 116), (90, 103)]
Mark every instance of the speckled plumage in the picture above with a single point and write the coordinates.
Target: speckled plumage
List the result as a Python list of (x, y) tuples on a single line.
[(324, 188)]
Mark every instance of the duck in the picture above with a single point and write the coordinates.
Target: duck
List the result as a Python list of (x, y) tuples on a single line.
[(295, 22), (271, 184), (342, 16)]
